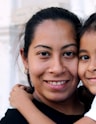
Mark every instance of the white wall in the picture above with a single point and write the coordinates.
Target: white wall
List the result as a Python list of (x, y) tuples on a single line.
[(4, 74), (5, 9)]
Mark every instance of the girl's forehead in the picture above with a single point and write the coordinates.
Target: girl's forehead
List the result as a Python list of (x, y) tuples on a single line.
[(89, 34), (88, 40)]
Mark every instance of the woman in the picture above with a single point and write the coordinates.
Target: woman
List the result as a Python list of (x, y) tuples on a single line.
[(86, 67), (51, 60)]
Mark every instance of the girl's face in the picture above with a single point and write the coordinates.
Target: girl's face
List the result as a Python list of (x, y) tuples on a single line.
[(87, 60), (52, 61)]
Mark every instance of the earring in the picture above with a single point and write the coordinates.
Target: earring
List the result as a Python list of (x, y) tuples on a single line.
[(26, 71)]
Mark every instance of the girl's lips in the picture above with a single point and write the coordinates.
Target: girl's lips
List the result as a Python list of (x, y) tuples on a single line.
[(93, 79)]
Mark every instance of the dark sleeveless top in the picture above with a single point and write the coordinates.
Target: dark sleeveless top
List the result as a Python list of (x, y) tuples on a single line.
[(13, 116)]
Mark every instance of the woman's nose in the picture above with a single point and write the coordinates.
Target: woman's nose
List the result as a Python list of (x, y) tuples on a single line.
[(57, 66)]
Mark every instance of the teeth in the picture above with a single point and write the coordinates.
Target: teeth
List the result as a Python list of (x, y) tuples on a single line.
[(57, 83)]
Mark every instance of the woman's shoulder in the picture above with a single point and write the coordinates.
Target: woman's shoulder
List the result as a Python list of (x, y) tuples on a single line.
[(13, 116)]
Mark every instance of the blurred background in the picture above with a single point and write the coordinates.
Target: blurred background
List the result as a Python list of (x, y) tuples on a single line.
[(13, 16)]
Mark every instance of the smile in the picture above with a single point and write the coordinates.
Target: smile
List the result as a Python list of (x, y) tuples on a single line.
[(92, 79), (57, 83)]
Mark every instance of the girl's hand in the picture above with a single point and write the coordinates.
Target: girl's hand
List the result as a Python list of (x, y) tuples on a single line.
[(22, 101), (19, 95)]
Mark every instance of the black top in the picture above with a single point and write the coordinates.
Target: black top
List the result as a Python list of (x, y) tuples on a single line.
[(13, 116)]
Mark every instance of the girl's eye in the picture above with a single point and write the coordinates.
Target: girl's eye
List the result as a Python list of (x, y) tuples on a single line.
[(84, 57), (69, 54)]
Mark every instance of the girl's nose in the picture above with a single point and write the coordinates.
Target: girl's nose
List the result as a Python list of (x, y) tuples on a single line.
[(92, 65)]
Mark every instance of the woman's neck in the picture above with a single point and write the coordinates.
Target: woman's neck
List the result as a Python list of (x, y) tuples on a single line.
[(70, 106)]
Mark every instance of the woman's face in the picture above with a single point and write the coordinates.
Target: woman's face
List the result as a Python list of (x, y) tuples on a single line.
[(87, 60), (52, 60)]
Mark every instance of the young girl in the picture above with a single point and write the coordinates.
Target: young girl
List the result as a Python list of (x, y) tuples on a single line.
[(87, 59), (51, 60)]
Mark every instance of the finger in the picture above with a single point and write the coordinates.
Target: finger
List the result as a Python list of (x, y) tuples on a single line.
[(17, 86), (23, 87)]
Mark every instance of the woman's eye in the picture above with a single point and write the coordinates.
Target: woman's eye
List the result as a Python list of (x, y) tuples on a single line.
[(44, 54), (69, 54), (84, 57)]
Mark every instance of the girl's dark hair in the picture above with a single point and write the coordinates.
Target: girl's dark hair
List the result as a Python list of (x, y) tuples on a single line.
[(89, 25), (53, 13)]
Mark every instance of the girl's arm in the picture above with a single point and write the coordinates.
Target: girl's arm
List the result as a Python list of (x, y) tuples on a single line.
[(90, 116), (85, 120), (92, 112), (22, 100)]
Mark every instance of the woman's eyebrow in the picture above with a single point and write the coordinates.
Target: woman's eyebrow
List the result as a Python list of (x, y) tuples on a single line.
[(69, 45), (64, 47), (44, 46)]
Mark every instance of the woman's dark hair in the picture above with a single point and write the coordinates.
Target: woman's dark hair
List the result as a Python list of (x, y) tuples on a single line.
[(89, 25), (53, 13)]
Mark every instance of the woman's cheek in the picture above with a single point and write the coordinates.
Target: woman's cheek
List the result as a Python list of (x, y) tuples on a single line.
[(80, 70), (74, 67), (37, 68)]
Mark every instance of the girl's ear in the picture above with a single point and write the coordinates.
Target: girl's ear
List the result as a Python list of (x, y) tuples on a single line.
[(24, 59)]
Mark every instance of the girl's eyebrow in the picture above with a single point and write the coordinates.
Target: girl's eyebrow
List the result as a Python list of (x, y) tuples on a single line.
[(82, 51), (64, 47)]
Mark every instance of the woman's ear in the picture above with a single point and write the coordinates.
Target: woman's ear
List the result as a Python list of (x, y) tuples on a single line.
[(24, 59)]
